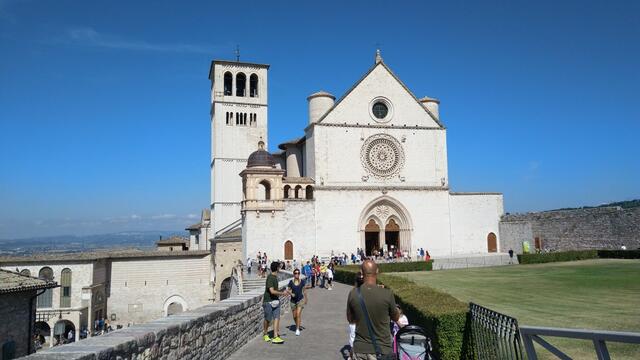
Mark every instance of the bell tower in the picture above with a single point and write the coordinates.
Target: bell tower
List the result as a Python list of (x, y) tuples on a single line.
[(238, 122)]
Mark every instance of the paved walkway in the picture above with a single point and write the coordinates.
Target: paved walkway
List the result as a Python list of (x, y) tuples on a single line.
[(324, 335)]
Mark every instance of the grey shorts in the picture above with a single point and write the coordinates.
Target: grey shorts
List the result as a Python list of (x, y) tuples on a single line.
[(270, 312)]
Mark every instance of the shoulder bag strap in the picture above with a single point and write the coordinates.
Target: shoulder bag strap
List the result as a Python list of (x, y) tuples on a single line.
[(368, 320)]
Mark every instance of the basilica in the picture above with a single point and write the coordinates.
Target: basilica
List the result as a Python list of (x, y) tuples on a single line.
[(369, 171)]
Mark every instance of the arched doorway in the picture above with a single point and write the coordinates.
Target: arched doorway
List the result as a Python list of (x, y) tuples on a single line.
[(174, 304), (371, 237), (225, 288), (42, 331), (392, 236), (492, 242), (174, 308), (64, 332), (288, 250), (385, 222)]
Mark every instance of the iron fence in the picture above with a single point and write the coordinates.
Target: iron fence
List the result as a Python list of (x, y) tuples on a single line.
[(495, 335), (531, 334)]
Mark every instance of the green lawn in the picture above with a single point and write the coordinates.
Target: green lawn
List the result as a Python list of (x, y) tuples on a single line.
[(590, 294)]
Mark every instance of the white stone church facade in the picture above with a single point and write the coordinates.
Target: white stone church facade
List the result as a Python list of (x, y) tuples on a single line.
[(370, 171)]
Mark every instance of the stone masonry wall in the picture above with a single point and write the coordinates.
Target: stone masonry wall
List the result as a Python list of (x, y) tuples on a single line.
[(210, 332), (15, 313), (596, 228)]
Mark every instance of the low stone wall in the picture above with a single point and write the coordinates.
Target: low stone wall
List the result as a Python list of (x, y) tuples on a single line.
[(579, 229), (472, 261), (211, 332)]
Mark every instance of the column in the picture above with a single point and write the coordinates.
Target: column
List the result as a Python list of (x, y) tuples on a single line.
[(51, 336), (382, 240)]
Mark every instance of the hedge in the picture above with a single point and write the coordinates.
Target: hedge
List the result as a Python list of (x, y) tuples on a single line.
[(619, 254), (557, 256), (397, 267), (444, 318)]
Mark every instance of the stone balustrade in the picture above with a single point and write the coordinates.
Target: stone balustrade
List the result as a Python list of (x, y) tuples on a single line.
[(211, 332)]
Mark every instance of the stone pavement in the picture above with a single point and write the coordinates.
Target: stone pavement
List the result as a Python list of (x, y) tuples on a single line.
[(324, 335)]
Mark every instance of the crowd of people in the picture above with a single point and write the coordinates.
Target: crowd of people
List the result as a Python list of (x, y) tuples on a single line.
[(372, 313)]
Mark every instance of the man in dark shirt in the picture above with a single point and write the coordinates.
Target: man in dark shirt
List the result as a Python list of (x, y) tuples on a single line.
[(271, 305), (381, 307)]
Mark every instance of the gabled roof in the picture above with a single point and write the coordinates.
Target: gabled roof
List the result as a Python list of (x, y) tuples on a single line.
[(15, 282), (380, 63)]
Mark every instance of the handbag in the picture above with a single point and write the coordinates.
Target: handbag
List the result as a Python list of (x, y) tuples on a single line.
[(379, 354), (275, 303)]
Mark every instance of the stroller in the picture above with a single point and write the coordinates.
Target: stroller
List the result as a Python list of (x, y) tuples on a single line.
[(411, 343)]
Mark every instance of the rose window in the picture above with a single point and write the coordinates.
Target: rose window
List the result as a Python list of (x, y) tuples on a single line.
[(382, 156)]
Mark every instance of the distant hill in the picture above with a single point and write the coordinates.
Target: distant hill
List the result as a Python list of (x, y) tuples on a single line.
[(74, 243), (628, 204)]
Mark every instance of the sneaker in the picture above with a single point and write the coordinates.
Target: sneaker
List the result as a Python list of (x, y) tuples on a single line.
[(297, 332), (277, 340), (266, 338)]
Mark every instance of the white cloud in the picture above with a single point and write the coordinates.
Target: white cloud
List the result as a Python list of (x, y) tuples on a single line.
[(163, 216), (88, 36)]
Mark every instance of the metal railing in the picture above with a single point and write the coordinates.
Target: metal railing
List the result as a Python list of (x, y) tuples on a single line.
[(531, 334), (495, 335)]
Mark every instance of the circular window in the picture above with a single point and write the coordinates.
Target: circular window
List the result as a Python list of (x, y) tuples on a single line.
[(382, 156), (380, 110)]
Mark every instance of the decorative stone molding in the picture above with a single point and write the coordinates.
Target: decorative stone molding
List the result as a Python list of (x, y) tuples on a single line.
[(382, 156)]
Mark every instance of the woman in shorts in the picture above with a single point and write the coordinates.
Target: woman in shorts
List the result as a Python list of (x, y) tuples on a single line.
[(298, 300)]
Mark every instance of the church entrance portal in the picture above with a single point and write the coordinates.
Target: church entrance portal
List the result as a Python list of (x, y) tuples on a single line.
[(385, 224), (371, 237), (392, 236)]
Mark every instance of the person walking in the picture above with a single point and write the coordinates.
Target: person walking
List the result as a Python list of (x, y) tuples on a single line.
[(329, 277), (298, 301), (271, 306), (371, 308), (510, 256)]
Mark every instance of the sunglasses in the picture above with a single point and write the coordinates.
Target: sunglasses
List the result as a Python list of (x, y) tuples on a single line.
[(296, 273)]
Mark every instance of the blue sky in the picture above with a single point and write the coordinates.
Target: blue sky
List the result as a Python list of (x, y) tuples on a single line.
[(104, 121)]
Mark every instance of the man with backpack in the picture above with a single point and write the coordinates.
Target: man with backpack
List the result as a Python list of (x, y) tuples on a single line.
[(371, 308)]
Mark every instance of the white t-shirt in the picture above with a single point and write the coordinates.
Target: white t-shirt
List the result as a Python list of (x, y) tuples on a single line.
[(329, 273), (403, 321)]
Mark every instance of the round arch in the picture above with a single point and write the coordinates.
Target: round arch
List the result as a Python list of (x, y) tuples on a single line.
[(174, 303), (288, 250), (62, 329)]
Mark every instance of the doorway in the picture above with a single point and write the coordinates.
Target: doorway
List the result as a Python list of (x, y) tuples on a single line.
[(492, 243), (288, 250), (371, 237), (392, 236)]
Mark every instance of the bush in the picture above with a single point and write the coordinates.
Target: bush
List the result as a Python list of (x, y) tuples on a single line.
[(444, 318), (619, 254), (557, 256), (396, 267)]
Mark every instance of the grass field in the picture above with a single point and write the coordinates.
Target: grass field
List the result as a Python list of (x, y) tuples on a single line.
[(590, 294)]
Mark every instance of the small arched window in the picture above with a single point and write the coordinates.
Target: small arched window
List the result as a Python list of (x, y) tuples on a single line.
[(253, 85), (264, 190), (241, 84), (309, 192), (287, 190), (298, 192), (228, 84), (65, 288), (45, 300)]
